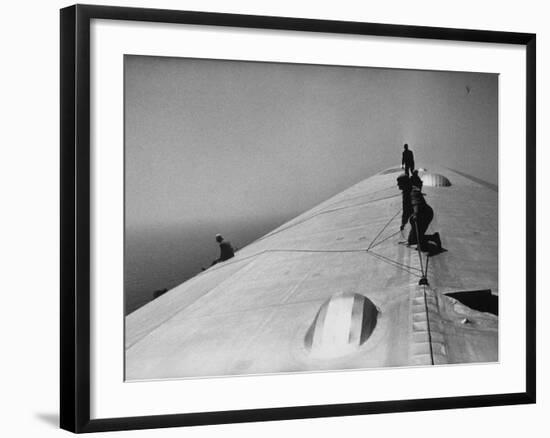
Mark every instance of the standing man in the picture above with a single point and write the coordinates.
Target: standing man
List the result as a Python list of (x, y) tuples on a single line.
[(226, 250), (408, 159)]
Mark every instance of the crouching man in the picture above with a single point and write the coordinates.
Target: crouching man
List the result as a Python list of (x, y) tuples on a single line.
[(420, 220)]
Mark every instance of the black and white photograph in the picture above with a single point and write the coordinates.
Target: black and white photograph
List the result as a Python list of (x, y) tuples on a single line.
[(298, 218), (275, 219)]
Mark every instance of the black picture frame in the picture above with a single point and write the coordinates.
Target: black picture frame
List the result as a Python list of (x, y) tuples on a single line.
[(75, 217)]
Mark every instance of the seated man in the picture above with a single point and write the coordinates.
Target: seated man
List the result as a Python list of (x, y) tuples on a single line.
[(226, 250)]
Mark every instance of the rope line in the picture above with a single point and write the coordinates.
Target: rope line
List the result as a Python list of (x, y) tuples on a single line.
[(350, 198), (403, 266), (383, 228), (314, 250), (384, 239), (359, 250), (419, 249), (395, 263), (426, 268), (428, 325), (320, 213), (368, 250), (233, 261), (361, 204)]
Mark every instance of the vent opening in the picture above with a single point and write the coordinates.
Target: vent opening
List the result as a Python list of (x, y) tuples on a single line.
[(342, 324), (435, 180)]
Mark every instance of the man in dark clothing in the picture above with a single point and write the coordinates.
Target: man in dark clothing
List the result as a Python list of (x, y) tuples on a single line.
[(420, 220), (404, 184), (226, 250), (415, 180), (407, 161)]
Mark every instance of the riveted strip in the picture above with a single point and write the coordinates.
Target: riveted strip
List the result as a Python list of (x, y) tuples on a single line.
[(427, 345)]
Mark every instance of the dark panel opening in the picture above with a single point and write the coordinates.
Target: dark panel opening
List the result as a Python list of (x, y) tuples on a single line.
[(480, 300)]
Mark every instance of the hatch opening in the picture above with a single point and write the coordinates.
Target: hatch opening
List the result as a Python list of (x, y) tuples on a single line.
[(434, 180), (342, 324), (480, 300)]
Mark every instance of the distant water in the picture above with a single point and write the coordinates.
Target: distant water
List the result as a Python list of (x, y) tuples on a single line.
[(164, 257)]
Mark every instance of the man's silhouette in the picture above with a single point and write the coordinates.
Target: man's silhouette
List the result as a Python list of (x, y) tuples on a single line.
[(420, 219), (404, 184), (408, 159), (416, 180), (226, 250)]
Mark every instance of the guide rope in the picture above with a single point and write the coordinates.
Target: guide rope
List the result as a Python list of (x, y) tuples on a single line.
[(424, 279), (428, 324), (369, 250), (323, 212), (380, 242), (383, 228), (396, 264)]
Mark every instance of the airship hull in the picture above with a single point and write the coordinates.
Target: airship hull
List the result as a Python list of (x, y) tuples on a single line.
[(334, 289)]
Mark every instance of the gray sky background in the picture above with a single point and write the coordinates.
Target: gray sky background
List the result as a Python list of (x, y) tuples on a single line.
[(222, 146)]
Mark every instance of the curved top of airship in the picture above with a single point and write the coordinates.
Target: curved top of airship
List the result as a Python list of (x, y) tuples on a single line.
[(335, 288)]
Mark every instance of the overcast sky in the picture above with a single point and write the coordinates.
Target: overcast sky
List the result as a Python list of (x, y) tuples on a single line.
[(242, 147), (243, 139)]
